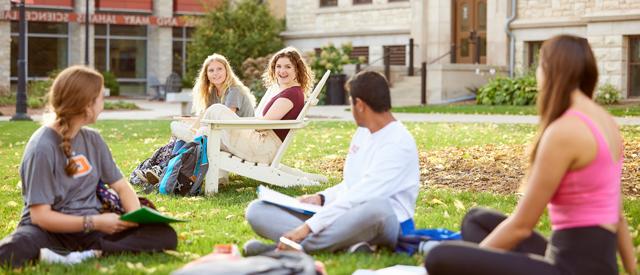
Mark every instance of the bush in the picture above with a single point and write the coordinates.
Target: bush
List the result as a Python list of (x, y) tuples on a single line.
[(252, 69), (607, 94), (330, 58), (120, 105), (245, 29), (509, 91), (111, 83)]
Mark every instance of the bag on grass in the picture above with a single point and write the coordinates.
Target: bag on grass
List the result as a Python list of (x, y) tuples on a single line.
[(271, 263), (159, 158), (185, 172), (111, 202)]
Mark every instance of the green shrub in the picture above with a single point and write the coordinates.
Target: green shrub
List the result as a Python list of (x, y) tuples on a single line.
[(330, 58), (607, 94), (120, 105), (502, 90), (252, 70), (111, 83), (239, 31)]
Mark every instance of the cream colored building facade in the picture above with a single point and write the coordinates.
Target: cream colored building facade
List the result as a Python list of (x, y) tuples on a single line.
[(465, 42)]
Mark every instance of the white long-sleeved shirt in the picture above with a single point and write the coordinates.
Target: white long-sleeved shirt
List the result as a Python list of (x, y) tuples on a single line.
[(379, 165)]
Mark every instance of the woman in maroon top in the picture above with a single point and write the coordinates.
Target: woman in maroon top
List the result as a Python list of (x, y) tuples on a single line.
[(288, 70)]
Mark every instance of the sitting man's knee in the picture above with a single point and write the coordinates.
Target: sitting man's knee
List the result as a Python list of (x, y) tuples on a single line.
[(255, 211)]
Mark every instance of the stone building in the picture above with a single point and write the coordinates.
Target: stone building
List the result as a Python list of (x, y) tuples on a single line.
[(465, 42), (140, 41)]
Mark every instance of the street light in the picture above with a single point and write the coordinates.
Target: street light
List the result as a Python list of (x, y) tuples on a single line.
[(21, 95), (86, 34)]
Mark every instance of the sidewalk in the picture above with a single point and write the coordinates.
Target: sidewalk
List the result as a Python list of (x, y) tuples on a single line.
[(151, 110)]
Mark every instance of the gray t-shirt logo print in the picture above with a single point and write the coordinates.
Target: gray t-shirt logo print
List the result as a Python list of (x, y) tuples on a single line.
[(84, 167)]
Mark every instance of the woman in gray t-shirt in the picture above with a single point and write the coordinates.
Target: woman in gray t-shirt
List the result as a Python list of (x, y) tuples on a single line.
[(215, 83), (60, 171)]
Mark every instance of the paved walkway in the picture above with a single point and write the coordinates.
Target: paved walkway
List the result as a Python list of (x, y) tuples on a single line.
[(161, 110)]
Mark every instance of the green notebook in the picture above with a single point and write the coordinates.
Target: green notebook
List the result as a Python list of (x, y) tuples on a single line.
[(147, 215)]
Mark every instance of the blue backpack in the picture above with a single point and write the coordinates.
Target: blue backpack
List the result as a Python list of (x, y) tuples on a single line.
[(186, 170)]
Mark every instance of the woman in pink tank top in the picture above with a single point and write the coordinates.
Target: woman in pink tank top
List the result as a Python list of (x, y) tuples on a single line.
[(575, 169)]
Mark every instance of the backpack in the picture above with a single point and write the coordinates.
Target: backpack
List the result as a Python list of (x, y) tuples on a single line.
[(185, 172), (160, 157), (110, 201), (272, 263)]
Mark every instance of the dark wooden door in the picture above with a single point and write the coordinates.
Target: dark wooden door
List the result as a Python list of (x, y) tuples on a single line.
[(470, 31), (634, 67)]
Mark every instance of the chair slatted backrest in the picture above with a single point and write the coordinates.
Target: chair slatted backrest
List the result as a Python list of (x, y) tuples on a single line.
[(311, 100)]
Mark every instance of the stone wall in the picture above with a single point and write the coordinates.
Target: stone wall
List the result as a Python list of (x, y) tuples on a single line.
[(607, 24), (160, 44), (306, 15), (5, 53)]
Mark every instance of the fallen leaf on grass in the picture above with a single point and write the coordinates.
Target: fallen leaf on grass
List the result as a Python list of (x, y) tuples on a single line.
[(459, 205)]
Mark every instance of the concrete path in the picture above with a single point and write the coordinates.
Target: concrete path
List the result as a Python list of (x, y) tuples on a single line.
[(161, 110)]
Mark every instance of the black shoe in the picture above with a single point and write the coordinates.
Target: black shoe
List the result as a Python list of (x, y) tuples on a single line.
[(153, 174), (362, 247), (255, 247)]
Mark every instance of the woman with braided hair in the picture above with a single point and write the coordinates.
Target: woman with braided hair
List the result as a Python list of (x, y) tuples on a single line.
[(61, 167)]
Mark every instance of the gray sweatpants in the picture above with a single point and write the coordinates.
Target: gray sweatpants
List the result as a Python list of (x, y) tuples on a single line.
[(373, 222)]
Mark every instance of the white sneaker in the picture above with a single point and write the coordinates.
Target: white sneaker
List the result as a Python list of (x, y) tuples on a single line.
[(425, 247), (76, 257)]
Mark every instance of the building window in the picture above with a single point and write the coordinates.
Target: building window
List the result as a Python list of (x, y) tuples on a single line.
[(47, 48), (328, 3), (398, 54), (181, 38), (123, 51), (634, 67), (358, 2), (533, 52), (358, 52)]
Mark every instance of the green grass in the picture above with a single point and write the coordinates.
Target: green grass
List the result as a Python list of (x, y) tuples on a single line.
[(219, 219), (120, 105), (616, 110)]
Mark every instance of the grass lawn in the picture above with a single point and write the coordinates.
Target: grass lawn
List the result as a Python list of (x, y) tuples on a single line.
[(219, 219), (616, 110)]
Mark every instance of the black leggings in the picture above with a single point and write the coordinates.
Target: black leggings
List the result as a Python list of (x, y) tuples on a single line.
[(24, 244), (583, 250)]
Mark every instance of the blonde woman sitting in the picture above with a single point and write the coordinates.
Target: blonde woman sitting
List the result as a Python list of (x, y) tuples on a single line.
[(215, 83)]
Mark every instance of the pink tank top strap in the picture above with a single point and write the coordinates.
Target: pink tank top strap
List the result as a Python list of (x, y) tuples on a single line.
[(602, 143)]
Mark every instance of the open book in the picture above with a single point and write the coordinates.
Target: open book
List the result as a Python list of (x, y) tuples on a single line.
[(274, 197), (146, 215)]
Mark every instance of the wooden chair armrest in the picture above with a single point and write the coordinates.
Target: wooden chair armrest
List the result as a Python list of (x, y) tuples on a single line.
[(253, 123)]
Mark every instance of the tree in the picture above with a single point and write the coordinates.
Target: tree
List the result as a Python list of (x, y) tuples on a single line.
[(237, 31)]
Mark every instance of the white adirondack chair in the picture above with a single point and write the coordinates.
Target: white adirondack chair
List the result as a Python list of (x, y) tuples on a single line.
[(273, 173)]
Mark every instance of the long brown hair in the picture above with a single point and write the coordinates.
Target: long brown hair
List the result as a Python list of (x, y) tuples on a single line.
[(567, 64), (304, 75), (73, 90)]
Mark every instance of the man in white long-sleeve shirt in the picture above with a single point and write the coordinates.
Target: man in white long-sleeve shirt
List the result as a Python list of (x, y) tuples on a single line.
[(377, 197)]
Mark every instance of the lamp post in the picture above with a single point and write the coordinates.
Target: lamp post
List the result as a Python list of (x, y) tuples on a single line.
[(21, 96), (86, 34)]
